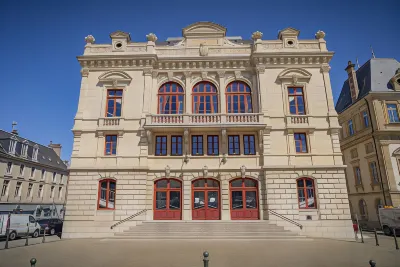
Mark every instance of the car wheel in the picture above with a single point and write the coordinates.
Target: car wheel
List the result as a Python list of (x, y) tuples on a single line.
[(35, 234), (12, 236), (52, 231), (387, 231)]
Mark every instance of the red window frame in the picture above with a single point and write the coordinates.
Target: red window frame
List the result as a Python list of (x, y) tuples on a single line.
[(108, 190), (113, 144), (298, 141), (114, 97), (304, 188), (166, 94), (161, 138), (297, 96), (199, 91), (238, 90)]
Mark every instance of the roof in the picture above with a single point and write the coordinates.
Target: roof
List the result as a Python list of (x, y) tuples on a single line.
[(373, 76), (46, 155)]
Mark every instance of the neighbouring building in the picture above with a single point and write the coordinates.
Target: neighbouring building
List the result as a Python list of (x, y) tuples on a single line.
[(33, 178), (207, 127), (368, 108)]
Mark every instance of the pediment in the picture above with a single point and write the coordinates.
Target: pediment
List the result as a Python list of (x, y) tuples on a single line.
[(115, 78), (120, 34), (294, 74), (288, 32), (396, 152), (204, 29)]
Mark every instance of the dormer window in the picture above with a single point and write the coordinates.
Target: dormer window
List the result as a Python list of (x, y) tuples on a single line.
[(35, 152), (24, 149), (13, 145)]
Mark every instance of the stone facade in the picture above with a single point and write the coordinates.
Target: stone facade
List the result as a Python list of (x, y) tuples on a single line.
[(206, 54)]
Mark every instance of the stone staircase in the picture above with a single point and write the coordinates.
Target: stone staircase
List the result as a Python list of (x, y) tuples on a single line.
[(211, 230)]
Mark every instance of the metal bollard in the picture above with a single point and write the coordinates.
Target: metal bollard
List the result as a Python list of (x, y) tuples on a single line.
[(362, 237), (376, 237), (395, 238), (33, 262), (205, 260), (7, 230), (27, 235), (44, 235), (372, 263)]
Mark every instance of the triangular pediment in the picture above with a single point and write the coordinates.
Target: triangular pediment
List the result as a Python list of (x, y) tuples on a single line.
[(113, 75), (204, 29), (288, 32), (120, 34)]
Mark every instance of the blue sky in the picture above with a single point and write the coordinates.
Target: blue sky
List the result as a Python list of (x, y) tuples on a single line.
[(40, 77)]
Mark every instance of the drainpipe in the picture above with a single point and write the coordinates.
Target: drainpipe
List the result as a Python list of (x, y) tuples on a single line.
[(376, 152)]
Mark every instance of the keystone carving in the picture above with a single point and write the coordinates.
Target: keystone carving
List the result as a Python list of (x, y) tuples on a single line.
[(243, 171), (203, 50)]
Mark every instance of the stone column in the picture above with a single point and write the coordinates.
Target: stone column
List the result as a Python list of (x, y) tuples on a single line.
[(225, 201), (148, 84), (188, 92), (187, 200), (222, 99)]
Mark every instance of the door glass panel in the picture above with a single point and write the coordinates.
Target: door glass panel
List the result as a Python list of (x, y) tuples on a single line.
[(237, 200), (199, 183), (212, 199), (212, 183), (251, 200), (236, 183), (302, 198), (199, 201), (250, 183), (161, 200), (174, 200), (162, 184), (174, 184)]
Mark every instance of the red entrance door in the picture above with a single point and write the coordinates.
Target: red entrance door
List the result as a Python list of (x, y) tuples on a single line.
[(167, 199), (205, 196), (244, 199)]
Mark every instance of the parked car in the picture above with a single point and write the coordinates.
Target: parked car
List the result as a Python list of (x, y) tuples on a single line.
[(54, 226), (19, 225), (390, 220)]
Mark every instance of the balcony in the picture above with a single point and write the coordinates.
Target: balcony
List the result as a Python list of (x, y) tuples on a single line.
[(205, 120), (298, 121)]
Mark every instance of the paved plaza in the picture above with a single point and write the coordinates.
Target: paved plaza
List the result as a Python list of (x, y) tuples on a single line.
[(184, 253)]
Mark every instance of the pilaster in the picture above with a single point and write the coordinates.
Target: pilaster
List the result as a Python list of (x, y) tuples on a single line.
[(148, 83), (188, 92), (221, 76)]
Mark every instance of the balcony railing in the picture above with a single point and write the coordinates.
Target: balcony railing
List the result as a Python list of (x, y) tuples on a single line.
[(297, 120), (204, 119)]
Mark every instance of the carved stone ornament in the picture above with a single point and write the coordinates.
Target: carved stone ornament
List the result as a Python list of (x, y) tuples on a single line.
[(90, 39), (325, 68), (260, 69), (154, 74), (261, 139), (320, 35), (238, 74), (85, 72), (256, 35), (151, 37), (221, 74), (203, 50), (295, 79), (186, 140), (205, 171), (167, 171), (223, 133), (148, 135), (243, 171), (115, 82), (203, 75), (170, 74)]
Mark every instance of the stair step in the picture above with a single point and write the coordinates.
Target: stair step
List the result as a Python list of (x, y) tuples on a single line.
[(207, 233), (211, 237)]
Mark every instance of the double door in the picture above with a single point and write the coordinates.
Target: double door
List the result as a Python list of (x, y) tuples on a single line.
[(206, 200)]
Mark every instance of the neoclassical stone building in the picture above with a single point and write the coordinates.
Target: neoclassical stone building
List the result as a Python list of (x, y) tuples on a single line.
[(207, 127)]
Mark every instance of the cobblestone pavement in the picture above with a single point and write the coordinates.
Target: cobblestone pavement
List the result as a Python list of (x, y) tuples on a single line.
[(184, 253)]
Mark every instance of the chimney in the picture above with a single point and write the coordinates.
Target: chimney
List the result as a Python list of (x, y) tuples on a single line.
[(352, 78), (56, 148), (14, 129)]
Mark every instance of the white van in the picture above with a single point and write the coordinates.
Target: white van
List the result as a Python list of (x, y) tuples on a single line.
[(19, 225), (390, 219)]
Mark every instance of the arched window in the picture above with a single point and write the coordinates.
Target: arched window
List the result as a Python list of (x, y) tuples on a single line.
[(244, 199), (238, 98), (306, 193), (170, 99), (106, 194), (362, 205), (167, 199), (205, 98)]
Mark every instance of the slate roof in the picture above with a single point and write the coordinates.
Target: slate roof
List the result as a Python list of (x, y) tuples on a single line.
[(46, 155), (373, 76)]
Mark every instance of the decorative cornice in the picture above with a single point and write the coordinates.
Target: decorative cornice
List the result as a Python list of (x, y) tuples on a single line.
[(147, 71)]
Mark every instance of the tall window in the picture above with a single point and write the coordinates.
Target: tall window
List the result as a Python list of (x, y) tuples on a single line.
[(43, 174), (21, 169), (249, 145), (365, 119), (54, 177), (40, 191), (5, 187), (306, 192), (233, 145), (170, 99), (296, 101), (35, 152), (24, 149), (61, 178), (111, 145), (60, 192), (300, 140), (212, 145), (238, 98), (357, 175), (176, 145), (29, 192), (17, 191), (350, 127), (106, 194), (374, 172), (197, 145), (114, 103), (13, 145), (363, 209), (393, 114), (52, 191), (161, 145), (9, 168), (33, 169), (205, 98)]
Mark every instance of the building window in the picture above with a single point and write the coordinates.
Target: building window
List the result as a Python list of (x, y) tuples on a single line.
[(43, 174), (161, 145), (114, 103), (205, 98), (170, 99), (33, 169), (301, 142), (365, 119), (238, 98), (54, 177), (61, 179), (111, 145), (393, 114), (17, 192), (354, 153), (35, 152), (4, 190), (306, 192), (249, 147), (176, 145), (213, 145), (197, 145), (106, 194), (357, 175), (233, 145), (40, 191), (363, 209), (24, 149), (296, 101), (374, 172), (29, 192), (369, 148), (52, 191), (9, 168), (21, 170), (60, 193), (13, 145), (350, 127)]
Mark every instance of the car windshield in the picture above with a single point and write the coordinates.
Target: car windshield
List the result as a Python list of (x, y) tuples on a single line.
[(43, 221)]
